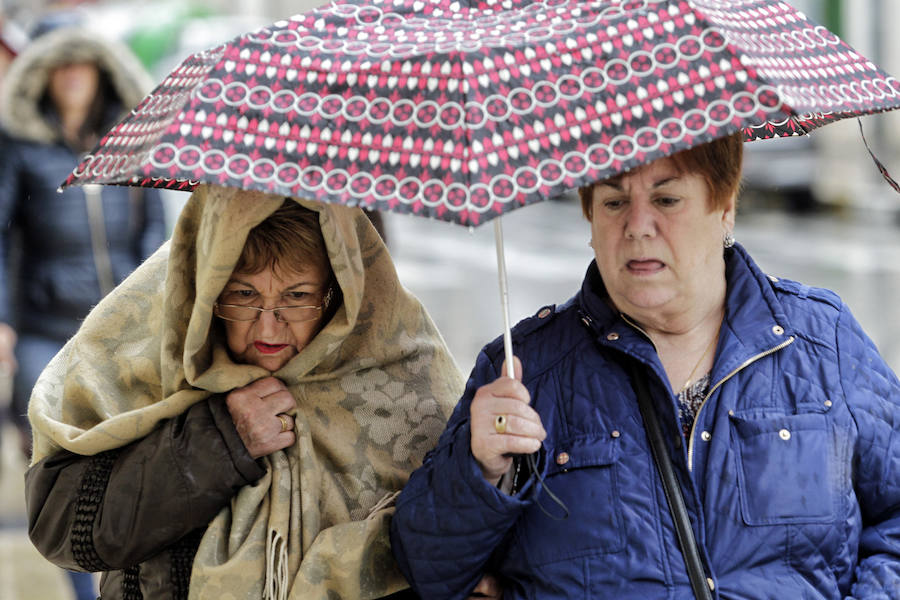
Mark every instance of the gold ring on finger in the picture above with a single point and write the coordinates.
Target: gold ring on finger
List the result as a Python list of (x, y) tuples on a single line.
[(500, 423), (285, 423)]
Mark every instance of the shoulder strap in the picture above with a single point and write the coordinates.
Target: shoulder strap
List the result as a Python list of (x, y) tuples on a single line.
[(671, 487)]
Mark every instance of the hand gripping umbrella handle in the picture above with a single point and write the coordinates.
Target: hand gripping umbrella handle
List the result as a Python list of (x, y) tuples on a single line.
[(531, 459), (504, 296)]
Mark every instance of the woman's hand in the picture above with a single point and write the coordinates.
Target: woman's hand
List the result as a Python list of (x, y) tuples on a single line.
[(524, 432), (488, 587), (258, 411)]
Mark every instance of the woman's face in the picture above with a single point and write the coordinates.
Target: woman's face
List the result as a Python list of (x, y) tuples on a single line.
[(657, 244), (74, 86), (268, 342)]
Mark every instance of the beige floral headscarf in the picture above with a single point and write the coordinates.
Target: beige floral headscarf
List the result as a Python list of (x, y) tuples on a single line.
[(373, 389)]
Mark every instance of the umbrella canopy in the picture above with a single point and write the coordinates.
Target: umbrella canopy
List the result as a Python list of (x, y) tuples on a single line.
[(463, 111)]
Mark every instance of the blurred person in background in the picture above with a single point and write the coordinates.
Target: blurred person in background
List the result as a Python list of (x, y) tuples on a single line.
[(12, 40), (61, 253)]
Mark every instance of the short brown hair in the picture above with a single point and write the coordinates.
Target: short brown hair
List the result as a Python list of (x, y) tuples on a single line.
[(718, 162), (289, 238)]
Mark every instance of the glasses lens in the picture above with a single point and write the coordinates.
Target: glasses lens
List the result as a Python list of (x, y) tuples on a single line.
[(294, 314), (232, 312), (291, 314)]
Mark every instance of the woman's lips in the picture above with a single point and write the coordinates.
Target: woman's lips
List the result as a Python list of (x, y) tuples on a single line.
[(265, 348), (645, 266)]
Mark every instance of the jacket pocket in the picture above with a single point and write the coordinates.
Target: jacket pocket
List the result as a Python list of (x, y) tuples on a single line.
[(783, 469), (582, 474)]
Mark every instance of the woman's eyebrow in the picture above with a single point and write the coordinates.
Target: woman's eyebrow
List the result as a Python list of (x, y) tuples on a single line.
[(667, 180), (235, 280), (302, 283), (240, 281), (617, 185), (663, 182)]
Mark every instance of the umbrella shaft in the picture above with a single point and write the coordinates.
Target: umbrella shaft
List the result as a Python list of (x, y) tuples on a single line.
[(504, 296)]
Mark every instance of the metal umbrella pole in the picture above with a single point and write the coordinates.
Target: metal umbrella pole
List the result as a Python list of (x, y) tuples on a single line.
[(504, 296)]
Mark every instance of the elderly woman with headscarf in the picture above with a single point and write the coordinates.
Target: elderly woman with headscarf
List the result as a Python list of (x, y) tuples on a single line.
[(235, 419), (703, 429)]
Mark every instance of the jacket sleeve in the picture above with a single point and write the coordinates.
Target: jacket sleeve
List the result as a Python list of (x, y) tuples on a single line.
[(118, 508), (873, 397), (10, 192), (154, 231), (449, 519)]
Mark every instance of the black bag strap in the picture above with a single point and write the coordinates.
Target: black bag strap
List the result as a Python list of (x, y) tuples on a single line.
[(672, 489)]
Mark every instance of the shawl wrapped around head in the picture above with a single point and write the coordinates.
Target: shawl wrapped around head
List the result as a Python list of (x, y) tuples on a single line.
[(373, 389)]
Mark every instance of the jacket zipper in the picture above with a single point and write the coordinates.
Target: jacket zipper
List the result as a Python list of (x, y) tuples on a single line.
[(638, 327), (97, 224), (740, 367)]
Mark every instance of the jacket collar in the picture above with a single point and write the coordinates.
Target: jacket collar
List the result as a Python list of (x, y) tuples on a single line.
[(754, 321)]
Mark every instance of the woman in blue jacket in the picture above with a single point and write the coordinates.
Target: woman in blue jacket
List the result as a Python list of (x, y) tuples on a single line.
[(62, 252), (780, 421)]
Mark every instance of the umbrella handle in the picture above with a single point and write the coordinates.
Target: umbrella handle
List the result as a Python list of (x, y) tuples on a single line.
[(510, 368), (504, 296)]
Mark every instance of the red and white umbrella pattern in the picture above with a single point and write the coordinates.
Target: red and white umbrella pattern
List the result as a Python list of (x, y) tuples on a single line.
[(465, 112)]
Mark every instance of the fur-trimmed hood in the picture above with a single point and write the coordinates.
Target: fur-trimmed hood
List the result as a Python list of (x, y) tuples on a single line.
[(28, 76)]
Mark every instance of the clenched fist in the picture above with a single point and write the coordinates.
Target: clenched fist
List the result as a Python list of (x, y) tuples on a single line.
[(523, 430), (259, 412)]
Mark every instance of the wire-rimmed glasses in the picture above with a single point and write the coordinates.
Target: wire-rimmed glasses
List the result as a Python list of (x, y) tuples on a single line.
[(283, 314)]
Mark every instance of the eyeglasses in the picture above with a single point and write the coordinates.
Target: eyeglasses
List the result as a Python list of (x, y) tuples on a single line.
[(283, 314)]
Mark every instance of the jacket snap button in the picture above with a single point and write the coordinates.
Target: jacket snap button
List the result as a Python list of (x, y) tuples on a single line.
[(705, 436), (612, 336), (562, 458), (828, 403), (615, 433), (545, 312), (784, 434), (778, 330), (711, 584)]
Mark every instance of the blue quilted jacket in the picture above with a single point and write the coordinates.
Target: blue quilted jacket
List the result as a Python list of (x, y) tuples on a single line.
[(791, 474)]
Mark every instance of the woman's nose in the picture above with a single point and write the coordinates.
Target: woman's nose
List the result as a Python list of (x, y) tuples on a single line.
[(640, 220), (268, 322)]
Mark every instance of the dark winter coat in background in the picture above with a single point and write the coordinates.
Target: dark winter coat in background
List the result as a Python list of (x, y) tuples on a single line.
[(73, 245), (62, 252)]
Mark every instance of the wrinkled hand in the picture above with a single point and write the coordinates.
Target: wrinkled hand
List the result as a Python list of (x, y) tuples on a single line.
[(8, 339), (255, 410), (488, 587), (524, 430)]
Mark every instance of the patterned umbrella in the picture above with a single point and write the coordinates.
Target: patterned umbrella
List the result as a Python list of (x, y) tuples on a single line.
[(463, 111)]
